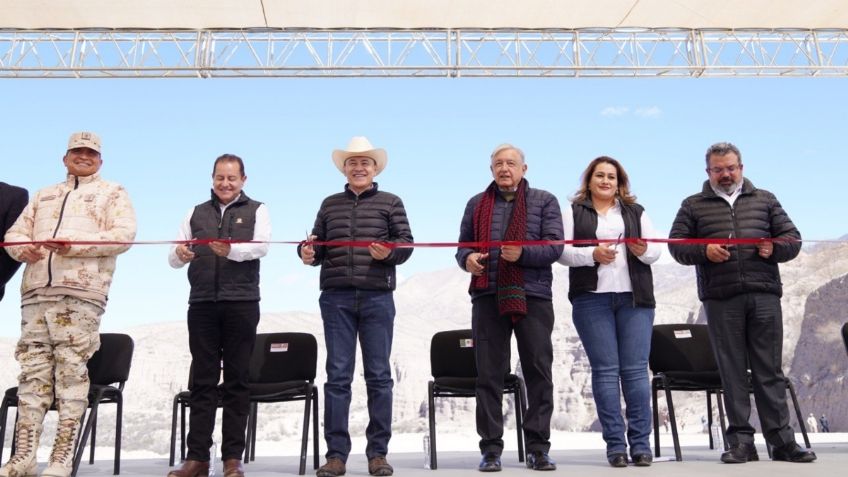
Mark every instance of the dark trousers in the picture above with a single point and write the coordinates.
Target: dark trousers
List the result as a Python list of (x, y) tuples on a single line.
[(220, 331), (492, 350), (747, 330)]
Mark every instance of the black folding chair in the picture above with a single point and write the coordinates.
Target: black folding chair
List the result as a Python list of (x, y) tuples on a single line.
[(282, 369), (682, 360), (454, 371), (182, 401), (108, 371)]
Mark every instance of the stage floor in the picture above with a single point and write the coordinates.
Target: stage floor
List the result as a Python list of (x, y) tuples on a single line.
[(699, 460)]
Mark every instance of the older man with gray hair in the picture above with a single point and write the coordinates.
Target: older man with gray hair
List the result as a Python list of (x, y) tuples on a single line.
[(511, 291)]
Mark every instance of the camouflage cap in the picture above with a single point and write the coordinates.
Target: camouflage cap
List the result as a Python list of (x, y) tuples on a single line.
[(84, 139)]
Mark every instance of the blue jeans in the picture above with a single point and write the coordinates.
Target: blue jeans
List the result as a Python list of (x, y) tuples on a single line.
[(370, 315), (617, 338)]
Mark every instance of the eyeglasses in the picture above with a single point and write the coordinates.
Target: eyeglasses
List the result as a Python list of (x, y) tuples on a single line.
[(729, 169)]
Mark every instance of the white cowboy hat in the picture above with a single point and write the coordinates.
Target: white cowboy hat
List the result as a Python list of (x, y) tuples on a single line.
[(359, 146)]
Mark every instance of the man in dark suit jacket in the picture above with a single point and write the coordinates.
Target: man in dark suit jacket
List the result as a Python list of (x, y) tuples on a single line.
[(13, 199)]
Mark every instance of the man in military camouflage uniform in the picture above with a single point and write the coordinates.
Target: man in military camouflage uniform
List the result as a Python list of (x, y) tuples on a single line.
[(63, 294)]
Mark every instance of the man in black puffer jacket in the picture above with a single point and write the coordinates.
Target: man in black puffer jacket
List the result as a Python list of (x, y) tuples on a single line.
[(12, 201), (357, 282), (740, 288), (511, 291)]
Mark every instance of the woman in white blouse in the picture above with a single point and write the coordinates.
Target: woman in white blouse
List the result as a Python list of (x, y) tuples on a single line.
[(612, 298)]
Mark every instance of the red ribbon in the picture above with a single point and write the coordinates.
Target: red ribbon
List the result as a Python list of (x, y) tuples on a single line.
[(477, 245)]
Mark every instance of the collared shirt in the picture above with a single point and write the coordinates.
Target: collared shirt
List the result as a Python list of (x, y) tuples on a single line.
[(730, 198), (239, 252), (613, 277)]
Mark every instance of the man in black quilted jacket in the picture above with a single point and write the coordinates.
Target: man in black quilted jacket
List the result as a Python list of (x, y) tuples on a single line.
[(740, 288), (13, 199), (357, 284)]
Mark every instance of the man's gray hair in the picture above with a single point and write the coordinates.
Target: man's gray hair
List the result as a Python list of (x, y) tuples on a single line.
[(722, 149), (504, 147)]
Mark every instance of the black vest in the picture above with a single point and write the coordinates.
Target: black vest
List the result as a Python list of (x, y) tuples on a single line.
[(215, 278), (585, 279)]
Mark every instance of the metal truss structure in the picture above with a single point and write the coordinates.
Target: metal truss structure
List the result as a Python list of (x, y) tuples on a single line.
[(602, 52)]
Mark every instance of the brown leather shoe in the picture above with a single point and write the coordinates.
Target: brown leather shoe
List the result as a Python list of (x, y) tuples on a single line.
[(233, 468), (333, 468), (191, 468), (379, 466)]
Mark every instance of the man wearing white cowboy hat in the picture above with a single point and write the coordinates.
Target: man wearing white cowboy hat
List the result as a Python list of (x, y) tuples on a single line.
[(356, 299)]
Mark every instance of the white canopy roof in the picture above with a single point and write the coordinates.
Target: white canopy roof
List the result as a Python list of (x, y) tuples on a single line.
[(531, 14)]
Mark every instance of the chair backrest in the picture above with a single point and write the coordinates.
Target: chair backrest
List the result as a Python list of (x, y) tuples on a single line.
[(681, 347), (452, 355), (280, 357), (111, 363), (845, 336)]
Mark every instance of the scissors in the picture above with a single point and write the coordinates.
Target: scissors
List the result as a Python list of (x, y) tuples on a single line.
[(617, 241)]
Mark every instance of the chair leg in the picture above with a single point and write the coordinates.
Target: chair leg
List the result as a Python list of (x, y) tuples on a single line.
[(431, 413), (119, 419), (183, 407), (93, 441), (249, 432), (86, 429), (315, 449), (798, 414), (173, 433), (519, 421), (710, 418), (253, 427), (246, 455), (4, 412), (304, 441), (678, 456), (722, 418), (79, 449), (656, 411)]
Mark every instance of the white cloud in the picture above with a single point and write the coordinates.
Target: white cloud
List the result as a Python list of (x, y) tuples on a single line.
[(642, 111), (613, 111), (651, 112)]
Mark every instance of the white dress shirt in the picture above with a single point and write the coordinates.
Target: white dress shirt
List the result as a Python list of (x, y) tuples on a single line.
[(239, 252), (613, 277)]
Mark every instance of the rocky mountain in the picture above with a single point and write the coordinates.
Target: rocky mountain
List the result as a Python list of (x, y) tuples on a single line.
[(814, 309), (819, 364)]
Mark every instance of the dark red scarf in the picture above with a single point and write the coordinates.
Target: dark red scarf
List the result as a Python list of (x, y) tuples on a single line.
[(512, 300)]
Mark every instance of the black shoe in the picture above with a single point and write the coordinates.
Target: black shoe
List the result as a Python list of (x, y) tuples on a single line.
[(643, 460), (490, 462), (792, 452), (618, 459), (740, 453), (539, 460)]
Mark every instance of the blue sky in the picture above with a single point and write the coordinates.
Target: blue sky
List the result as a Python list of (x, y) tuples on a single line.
[(161, 136)]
